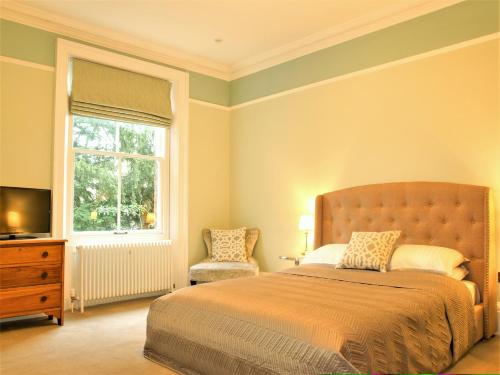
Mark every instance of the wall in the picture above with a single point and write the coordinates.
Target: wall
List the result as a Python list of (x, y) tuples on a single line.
[(27, 98), (434, 119), (208, 174)]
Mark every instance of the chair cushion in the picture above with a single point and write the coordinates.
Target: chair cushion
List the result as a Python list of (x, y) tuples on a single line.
[(207, 270), (228, 245), (251, 237)]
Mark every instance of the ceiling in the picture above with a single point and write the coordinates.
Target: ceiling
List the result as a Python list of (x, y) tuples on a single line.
[(249, 29)]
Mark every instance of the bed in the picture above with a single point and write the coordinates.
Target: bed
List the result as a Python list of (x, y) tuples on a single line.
[(316, 319)]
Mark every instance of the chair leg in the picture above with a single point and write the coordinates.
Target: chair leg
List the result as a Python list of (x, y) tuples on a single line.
[(193, 282)]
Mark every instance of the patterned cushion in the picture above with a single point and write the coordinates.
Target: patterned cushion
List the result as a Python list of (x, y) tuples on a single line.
[(369, 250), (228, 245), (251, 237)]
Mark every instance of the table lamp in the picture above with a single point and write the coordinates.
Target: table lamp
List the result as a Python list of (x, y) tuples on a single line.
[(306, 224)]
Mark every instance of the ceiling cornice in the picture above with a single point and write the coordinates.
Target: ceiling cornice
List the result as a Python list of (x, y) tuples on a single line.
[(17, 12), (355, 28), (104, 37)]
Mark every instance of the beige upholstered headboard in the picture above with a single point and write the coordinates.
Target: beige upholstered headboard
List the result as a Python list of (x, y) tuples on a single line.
[(432, 213)]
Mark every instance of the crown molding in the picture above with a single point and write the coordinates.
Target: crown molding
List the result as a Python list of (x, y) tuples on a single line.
[(17, 12), (104, 37), (355, 28)]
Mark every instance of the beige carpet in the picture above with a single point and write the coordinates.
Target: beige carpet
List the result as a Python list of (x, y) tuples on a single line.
[(109, 339)]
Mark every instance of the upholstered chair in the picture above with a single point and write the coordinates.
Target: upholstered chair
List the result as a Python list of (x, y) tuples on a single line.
[(208, 270)]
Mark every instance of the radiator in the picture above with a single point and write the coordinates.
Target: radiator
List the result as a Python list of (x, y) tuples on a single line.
[(110, 271)]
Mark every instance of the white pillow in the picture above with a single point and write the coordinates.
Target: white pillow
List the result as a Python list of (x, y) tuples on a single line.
[(459, 273), (328, 254), (424, 257)]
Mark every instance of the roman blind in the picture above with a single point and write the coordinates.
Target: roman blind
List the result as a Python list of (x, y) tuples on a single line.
[(112, 93)]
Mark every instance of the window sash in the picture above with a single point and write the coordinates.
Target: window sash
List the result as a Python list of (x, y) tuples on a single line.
[(162, 201)]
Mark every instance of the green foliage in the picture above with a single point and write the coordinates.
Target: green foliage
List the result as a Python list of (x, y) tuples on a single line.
[(96, 177)]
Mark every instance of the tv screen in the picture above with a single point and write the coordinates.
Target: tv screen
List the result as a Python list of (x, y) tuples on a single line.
[(24, 212)]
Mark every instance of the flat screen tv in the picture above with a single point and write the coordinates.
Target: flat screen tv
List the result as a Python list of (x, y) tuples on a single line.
[(24, 213)]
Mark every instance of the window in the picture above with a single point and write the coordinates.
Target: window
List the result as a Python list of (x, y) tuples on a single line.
[(119, 176)]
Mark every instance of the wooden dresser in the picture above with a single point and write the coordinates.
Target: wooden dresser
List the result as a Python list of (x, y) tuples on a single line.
[(32, 278)]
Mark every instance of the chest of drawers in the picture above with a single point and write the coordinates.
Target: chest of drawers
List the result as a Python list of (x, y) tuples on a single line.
[(32, 278)]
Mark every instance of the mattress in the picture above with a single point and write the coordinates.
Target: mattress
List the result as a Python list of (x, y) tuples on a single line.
[(313, 319)]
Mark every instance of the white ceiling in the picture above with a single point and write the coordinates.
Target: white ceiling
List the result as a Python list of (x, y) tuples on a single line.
[(251, 30)]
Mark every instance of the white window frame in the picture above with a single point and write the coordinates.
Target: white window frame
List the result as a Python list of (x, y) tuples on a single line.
[(162, 216), (178, 135)]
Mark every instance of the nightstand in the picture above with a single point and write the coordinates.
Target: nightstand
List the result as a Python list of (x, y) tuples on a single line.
[(295, 259)]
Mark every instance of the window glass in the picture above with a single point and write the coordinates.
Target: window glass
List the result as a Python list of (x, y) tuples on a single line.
[(138, 195), (94, 134), (95, 193), (116, 175), (140, 139)]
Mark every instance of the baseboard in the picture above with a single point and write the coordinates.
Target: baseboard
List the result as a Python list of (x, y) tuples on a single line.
[(103, 301)]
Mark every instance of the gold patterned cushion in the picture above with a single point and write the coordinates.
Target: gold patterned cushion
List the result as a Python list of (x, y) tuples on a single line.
[(369, 250), (251, 237), (228, 245)]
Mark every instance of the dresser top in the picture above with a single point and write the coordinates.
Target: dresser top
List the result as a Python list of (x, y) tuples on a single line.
[(34, 241)]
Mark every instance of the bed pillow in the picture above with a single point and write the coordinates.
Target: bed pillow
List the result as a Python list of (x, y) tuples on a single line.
[(424, 257), (369, 250), (228, 245), (328, 254), (459, 272), (251, 237)]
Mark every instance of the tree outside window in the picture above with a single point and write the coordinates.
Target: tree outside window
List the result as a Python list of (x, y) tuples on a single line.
[(117, 169)]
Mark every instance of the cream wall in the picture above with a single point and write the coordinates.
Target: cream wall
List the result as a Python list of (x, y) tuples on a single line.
[(208, 174), (433, 119), (26, 125)]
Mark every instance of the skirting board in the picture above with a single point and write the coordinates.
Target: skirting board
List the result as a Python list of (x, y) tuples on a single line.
[(67, 302)]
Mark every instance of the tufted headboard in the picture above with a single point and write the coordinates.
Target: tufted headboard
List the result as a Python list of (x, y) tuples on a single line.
[(431, 213)]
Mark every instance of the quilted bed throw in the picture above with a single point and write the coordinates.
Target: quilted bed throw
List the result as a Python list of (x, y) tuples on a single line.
[(313, 319)]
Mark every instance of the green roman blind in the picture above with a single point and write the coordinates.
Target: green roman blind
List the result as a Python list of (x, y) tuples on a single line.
[(112, 93)]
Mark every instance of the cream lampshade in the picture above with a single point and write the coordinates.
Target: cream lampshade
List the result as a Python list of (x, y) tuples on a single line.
[(306, 223)]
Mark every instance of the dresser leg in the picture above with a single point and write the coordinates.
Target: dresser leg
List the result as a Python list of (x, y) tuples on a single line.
[(60, 321), (51, 317)]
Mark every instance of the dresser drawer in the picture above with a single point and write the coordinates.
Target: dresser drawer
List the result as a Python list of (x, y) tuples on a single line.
[(30, 254), (30, 275), (29, 299)]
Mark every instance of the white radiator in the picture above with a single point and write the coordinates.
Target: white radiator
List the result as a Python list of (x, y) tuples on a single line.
[(108, 271)]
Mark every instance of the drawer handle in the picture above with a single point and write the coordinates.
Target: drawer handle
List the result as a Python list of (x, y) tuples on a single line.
[(44, 275), (43, 299), (45, 254)]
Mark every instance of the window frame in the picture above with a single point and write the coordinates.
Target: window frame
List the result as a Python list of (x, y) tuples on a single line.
[(177, 235), (162, 219)]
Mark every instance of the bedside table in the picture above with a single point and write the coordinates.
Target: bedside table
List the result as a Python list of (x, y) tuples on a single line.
[(296, 260)]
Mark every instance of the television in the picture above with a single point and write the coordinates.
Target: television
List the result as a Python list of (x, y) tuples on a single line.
[(24, 213)]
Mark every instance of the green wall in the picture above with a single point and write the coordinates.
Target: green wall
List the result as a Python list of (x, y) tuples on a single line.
[(454, 24)]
